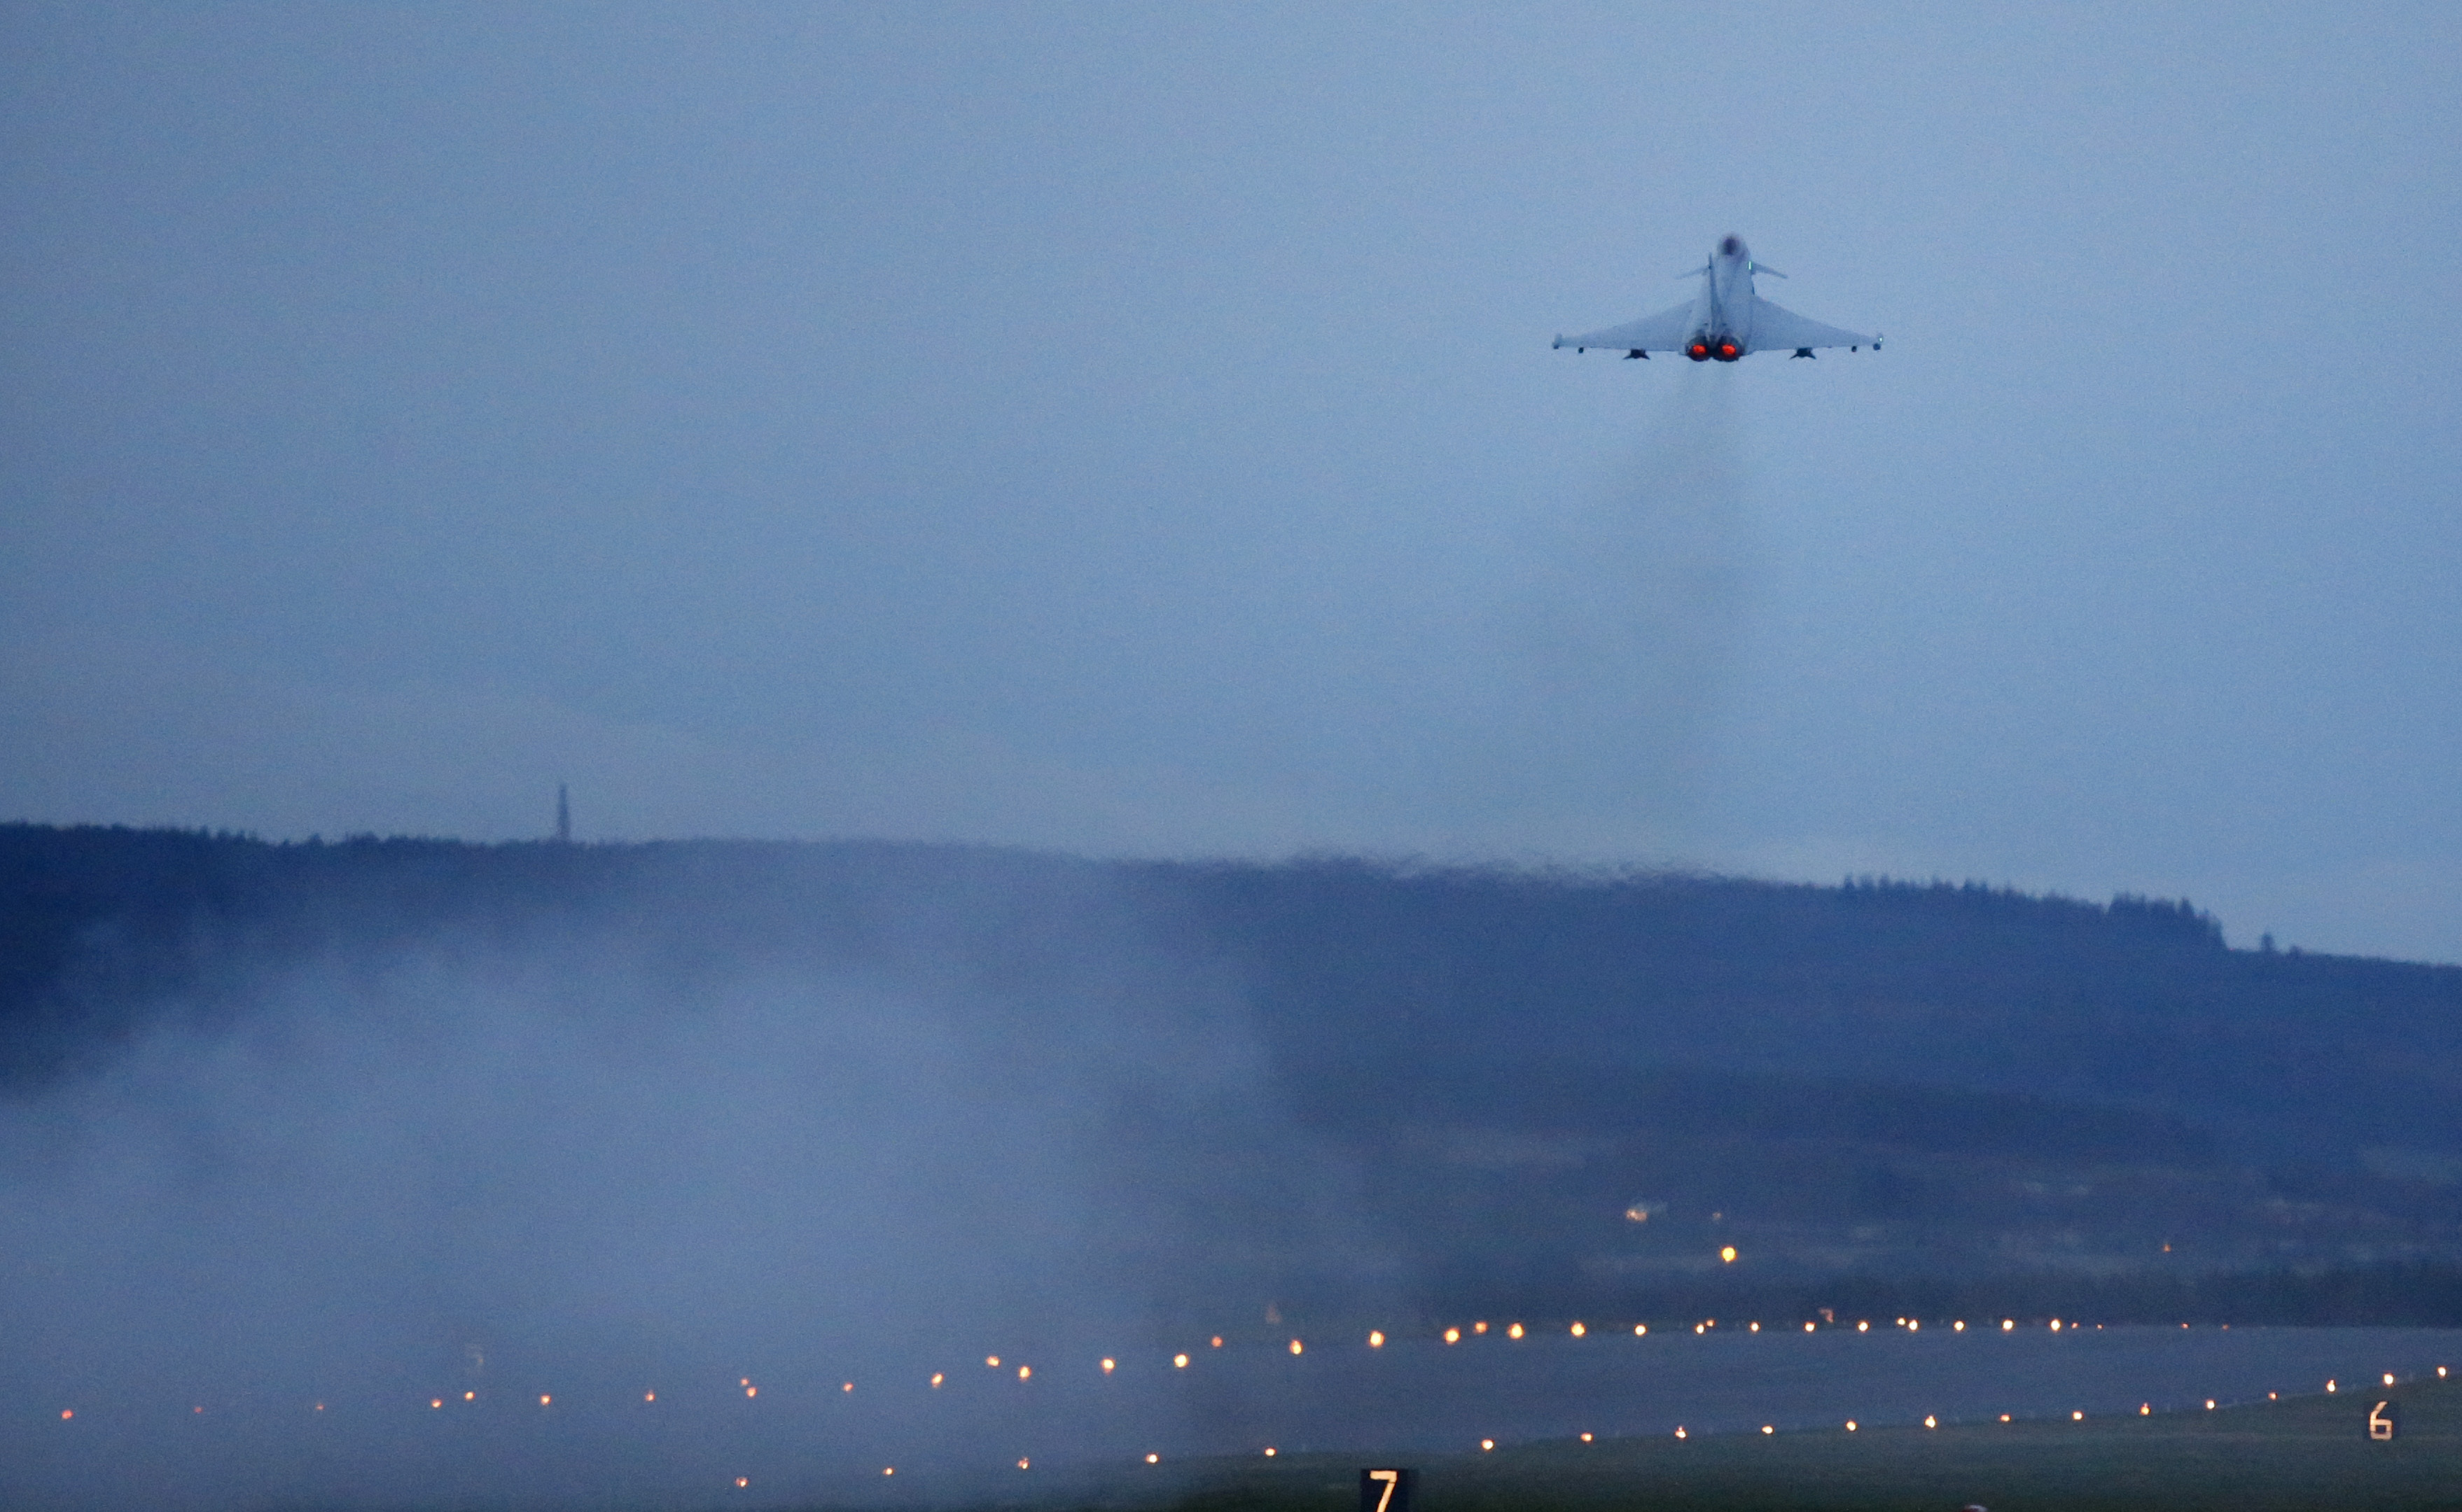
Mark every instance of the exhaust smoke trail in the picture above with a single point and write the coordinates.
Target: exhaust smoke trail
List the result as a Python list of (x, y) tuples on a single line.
[(1618, 651)]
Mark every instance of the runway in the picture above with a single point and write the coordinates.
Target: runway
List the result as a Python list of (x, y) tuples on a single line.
[(1055, 1427)]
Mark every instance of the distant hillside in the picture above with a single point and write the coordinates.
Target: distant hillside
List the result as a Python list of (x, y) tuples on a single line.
[(1876, 1085), (2135, 1004)]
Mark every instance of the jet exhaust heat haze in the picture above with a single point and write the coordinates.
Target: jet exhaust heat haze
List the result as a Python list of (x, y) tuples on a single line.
[(1622, 643), (1725, 322)]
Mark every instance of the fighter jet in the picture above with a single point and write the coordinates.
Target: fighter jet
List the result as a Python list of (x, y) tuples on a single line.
[(1725, 321)]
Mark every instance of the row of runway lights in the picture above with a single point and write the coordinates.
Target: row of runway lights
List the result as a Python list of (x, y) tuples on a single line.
[(1931, 1420), (1376, 1340)]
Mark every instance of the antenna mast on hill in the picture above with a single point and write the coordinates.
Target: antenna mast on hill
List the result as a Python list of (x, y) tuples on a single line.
[(563, 816)]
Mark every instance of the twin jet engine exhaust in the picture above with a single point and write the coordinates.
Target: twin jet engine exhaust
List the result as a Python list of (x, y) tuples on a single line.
[(1726, 348)]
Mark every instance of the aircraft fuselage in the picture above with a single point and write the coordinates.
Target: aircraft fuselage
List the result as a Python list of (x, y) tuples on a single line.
[(1722, 330)]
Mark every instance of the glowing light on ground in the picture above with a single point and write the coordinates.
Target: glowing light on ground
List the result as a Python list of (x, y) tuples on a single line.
[(991, 1362), (1517, 1331), (1488, 1446), (1727, 1254), (740, 1483), (1217, 1341)]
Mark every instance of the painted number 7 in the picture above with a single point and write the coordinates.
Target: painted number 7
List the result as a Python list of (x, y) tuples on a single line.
[(1385, 1490)]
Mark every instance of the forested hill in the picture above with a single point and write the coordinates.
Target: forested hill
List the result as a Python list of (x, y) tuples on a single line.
[(2137, 1002), (1876, 1073)]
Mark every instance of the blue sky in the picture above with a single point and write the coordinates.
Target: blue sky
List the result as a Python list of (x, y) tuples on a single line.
[(1132, 430)]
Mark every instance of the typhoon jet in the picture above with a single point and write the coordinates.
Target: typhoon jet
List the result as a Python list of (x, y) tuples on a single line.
[(1725, 321)]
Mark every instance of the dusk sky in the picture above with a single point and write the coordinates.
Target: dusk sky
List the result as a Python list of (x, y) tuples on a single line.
[(1132, 431)]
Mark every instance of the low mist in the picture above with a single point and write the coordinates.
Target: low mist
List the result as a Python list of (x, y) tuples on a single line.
[(610, 1158)]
